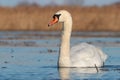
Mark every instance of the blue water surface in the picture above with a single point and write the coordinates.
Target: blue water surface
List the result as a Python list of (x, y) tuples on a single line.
[(33, 56)]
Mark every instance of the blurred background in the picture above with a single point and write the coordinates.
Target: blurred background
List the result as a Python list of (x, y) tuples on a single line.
[(88, 15), (14, 3)]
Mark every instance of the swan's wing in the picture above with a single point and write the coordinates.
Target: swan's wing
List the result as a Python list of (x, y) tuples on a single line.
[(86, 54), (82, 50), (102, 54)]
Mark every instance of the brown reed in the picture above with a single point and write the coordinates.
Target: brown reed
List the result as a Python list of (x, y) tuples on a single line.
[(106, 18)]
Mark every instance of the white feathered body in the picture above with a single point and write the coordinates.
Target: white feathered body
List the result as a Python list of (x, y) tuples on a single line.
[(86, 55), (81, 55)]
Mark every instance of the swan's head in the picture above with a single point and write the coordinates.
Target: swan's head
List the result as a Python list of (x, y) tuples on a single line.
[(60, 16)]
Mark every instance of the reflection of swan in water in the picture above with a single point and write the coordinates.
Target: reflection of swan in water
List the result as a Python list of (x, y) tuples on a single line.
[(81, 55), (67, 73)]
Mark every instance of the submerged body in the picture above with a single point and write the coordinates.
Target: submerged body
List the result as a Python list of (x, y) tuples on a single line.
[(81, 55)]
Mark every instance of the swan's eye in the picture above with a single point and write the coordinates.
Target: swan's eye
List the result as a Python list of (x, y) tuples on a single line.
[(56, 15)]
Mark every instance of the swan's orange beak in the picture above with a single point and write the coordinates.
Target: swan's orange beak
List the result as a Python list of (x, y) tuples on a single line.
[(55, 20)]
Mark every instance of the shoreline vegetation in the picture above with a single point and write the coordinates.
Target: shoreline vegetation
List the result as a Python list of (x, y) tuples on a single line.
[(106, 18)]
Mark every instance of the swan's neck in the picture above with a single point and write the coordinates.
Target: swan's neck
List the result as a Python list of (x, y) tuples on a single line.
[(64, 55)]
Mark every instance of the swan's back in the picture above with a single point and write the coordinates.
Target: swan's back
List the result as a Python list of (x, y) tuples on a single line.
[(86, 55)]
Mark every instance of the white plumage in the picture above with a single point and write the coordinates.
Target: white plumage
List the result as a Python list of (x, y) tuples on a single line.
[(86, 55), (81, 55)]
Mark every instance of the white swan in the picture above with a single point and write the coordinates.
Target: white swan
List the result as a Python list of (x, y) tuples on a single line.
[(81, 55)]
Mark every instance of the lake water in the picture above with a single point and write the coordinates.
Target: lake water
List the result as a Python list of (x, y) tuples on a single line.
[(32, 55)]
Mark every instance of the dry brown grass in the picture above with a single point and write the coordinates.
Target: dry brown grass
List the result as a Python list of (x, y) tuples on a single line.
[(105, 18)]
